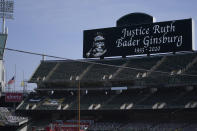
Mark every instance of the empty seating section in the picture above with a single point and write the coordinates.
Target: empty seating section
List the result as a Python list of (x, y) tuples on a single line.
[(178, 68), (193, 69), (51, 102), (160, 70), (189, 97), (192, 77), (172, 66), (155, 80), (158, 98), (137, 65), (176, 62), (33, 99), (69, 70), (93, 99), (142, 126), (70, 101), (43, 70), (126, 97), (157, 126), (103, 72), (104, 126), (136, 126)]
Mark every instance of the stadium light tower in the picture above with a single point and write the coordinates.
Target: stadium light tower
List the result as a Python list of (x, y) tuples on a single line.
[(6, 12)]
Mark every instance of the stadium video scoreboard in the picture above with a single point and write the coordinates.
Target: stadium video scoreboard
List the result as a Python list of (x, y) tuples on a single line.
[(160, 37)]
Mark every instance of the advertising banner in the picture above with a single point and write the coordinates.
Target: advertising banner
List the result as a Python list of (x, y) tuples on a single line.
[(13, 97)]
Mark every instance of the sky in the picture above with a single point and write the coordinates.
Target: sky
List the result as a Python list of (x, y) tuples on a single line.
[(55, 27)]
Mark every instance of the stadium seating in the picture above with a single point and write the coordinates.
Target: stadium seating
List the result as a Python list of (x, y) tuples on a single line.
[(104, 126), (144, 71), (91, 98), (167, 71), (160, 84), (102, 72), (69, 70), (142, 126), (147, 98), (137, 65), (43, 70)]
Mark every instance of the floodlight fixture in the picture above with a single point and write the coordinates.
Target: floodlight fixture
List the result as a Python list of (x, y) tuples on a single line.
[(6, 12), (6, 9)]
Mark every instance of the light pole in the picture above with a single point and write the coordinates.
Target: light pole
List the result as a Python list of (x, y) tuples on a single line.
[(79, 111), (79, 101)]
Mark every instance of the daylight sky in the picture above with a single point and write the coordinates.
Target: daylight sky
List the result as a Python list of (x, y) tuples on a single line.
[(55, 27)]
